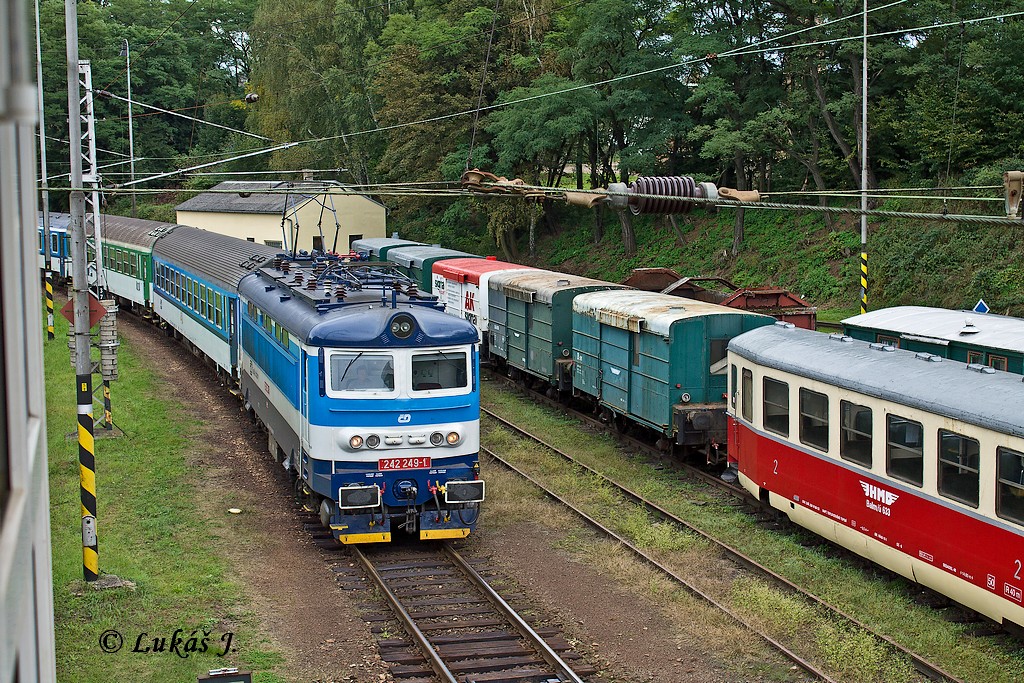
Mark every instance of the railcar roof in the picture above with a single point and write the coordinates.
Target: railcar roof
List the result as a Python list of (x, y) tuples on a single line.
[(219, 258), (375, 244), (134, 231), (652, 311), (944, 387), (470, 269), (544, 284), (415, 256), (58, 221), (989, 329)]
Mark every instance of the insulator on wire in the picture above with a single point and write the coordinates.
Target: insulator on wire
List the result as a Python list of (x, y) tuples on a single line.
[(673, 195)]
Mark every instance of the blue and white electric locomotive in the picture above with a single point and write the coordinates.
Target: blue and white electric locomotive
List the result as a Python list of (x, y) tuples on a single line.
[(370, 393)]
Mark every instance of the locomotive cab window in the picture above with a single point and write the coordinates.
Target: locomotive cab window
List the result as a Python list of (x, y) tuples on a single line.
[(747, 396), (1010, 489), (855, 433), (776, 406), (959, 458), (362, 372), (440, 370), (814, 419), (904, 449)]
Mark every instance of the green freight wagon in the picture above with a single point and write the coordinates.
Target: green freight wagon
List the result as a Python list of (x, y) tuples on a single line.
[(377, 248), (658, 360), (417, 262), (531, 321)]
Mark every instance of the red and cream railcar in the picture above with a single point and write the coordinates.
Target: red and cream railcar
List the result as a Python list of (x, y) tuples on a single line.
[(912, 461), (463, 287)]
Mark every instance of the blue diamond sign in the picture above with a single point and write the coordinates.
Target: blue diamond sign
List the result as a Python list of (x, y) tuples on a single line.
[(981, 307)]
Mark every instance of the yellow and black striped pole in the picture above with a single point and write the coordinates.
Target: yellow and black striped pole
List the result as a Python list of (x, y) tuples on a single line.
[(864, 281), (87, 476), (108, 418), (49, 302)]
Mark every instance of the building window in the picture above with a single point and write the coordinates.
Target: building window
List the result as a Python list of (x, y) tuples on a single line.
[(318, 243), (1010, 489), (855, 433), (905, 449), (814, 419), (273, 243), (997, 362), (958, 467), (353, 238), (776, 406), (888, 340), (747, 396)]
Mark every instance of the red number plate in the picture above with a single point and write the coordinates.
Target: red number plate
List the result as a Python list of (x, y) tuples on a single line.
[(386, 464)]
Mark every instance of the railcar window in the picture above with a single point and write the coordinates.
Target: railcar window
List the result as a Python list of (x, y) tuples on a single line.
[(747, 396), (733, 385), (1010, 492), (888, 340), (135, 264), (776, 406), (975, 357), (814, 419), (718, 350), (855, 433), (202, 300), (358, 372), (55, 244), (997, 362), (441, 370), (904, 449), (217, 311), (958, 467)]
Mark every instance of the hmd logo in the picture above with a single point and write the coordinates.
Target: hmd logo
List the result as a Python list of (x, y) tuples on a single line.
[(878, 499)]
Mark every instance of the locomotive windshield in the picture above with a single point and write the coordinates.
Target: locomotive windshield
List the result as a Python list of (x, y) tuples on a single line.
[(440, 370), (359, 372)]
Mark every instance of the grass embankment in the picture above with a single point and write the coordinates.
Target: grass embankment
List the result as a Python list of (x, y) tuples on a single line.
[(151, 531), (851, 656)]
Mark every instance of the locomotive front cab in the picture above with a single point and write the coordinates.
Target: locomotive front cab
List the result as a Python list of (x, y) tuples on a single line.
[(402, 425)]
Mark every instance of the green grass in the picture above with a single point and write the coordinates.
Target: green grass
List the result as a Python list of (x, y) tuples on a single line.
[(151, 531), (882, 603)]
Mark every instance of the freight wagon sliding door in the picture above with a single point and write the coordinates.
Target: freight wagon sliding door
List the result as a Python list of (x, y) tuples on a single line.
[(497, 325), (649, 380), (586, 344), (616, 353), (539, 331), (518, 341)]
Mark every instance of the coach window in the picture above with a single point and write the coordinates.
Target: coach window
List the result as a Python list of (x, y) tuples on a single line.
[(997, 362), (135, 264), (362, 372), (776, 406), (814, 419), (747, 396), (905, 449), (1010, 493), (55, 244), (958, 467), (855, 433), (440, 370), (219, 299)]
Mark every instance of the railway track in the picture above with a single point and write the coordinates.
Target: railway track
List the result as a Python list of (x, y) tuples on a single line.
[(923, 666), (458, 628)]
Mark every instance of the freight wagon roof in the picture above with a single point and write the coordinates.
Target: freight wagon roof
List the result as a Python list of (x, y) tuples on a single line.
[(943, 326), (470, 269), (651, 311), (362, 325), (941, 387), (543, 284), (134, 231), (375, 244), (223, 260), (409, 257)]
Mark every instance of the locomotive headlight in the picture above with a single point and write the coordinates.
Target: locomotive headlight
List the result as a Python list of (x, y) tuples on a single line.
[(436, 439), (372, 441), (453, 438), (402, 326), (355, 442)]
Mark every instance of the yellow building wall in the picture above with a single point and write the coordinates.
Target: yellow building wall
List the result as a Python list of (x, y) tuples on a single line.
[(357, 218)]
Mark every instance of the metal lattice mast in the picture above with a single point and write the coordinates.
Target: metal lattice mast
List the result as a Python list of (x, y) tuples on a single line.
[(90, 174)]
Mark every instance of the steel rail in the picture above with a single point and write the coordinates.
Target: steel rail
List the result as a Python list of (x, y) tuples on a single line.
[(690, 588), (922, 665), (434, 659), (549, 655)]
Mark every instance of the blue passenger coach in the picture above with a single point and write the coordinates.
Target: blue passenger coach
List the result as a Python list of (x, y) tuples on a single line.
[(369, 391)]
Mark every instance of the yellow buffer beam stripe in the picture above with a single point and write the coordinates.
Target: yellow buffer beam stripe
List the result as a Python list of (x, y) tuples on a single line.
[(435, 534)]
